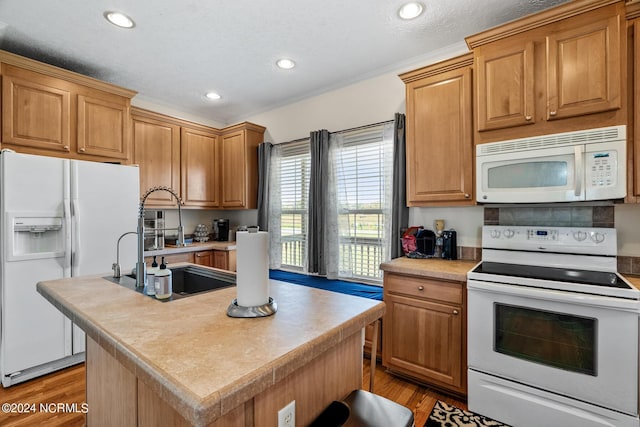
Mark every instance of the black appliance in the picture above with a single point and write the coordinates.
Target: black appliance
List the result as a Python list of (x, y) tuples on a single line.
[(449, 245), (426, 242), (222, 229)]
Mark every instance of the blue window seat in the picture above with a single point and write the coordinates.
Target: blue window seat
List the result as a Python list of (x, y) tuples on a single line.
[(344, 287)]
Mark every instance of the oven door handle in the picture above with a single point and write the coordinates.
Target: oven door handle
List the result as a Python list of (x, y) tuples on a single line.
[(622, 304), (578, 175)]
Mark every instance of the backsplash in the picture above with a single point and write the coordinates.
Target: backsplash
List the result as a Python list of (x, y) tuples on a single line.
[(561, 216)]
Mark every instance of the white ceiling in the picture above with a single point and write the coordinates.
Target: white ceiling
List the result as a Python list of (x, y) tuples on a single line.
[(180, 49)]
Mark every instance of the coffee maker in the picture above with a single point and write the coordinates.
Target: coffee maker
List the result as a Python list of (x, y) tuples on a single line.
[(221, 226), (449, 245)]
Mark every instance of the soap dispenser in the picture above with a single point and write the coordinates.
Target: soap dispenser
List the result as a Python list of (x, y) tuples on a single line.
[(151, 277), (163, 284)]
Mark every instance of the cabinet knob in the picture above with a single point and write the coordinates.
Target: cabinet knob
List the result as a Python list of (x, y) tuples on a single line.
[(82, 149), (66, 147), (421, 288), (528, 118), (456, 312), (467, 195), (553, 113)]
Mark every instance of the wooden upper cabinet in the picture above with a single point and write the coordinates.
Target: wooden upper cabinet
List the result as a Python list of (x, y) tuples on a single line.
[(156, 150), (54, 112), (439, 134), (239, 165), (505, 84), (199, 165), (583, 69), (103, 126), (36, 111), (555, 71)]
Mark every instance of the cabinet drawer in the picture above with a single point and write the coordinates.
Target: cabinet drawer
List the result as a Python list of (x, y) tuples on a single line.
[(423, 288)]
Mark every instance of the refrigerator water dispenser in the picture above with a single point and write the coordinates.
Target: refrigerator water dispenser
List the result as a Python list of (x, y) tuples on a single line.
[(35, 237)]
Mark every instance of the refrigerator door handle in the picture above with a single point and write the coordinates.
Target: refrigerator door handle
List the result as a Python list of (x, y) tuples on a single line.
[(75, 232)]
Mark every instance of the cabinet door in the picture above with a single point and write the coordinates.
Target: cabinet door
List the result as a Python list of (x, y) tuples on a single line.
[(103, 127), (199, 168), (439, 139), (423, 339), (204, 258), (221, 260), (583, 69), (156, 150), (36, 112), (505, 84), (234, 170)]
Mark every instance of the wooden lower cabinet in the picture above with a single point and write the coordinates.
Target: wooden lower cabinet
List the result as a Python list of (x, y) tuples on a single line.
[(204, 258), (225, 260), (222, 259), (424, 331)]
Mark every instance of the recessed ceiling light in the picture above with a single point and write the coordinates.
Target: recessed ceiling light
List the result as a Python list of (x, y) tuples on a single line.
[(410, 10), (212, 96), (119, 19), (285, 64)]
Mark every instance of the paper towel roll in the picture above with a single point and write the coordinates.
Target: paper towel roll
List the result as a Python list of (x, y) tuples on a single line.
[(252, 268)]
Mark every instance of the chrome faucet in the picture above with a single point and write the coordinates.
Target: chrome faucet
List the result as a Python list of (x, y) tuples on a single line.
[(140, 265), (116, 265)]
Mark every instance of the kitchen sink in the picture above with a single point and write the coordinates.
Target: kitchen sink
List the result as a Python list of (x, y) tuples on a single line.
[(186, 281)]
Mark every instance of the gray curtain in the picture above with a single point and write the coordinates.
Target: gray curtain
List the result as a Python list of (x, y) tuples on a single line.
[(319, 146), (400, 211), (264, 168)]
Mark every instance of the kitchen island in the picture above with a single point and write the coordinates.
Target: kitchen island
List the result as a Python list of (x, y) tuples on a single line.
[(185, 362)]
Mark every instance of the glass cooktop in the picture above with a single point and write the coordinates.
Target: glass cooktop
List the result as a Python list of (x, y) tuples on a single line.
[(586, 277)]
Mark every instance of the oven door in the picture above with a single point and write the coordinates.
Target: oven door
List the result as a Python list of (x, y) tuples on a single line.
[(576, 345)]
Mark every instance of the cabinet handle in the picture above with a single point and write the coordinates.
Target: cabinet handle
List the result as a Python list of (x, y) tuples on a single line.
[(528, 118), (456, 312), (553, 113), (421, 288), (82, 149), (467, 195), (66, 147)]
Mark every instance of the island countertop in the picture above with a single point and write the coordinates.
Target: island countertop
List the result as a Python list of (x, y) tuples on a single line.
[(202, 362)]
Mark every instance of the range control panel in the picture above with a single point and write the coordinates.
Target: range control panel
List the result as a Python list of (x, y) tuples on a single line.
[(582, 240)]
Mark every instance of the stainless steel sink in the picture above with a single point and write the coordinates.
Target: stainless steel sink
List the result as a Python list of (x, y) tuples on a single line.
[(186, 281)]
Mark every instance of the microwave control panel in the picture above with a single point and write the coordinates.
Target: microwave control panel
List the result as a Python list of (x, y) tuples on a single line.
[(601, 168)]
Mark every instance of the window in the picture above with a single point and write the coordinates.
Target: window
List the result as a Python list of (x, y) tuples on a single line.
[(295, 162), (357, 209), (363, 165)]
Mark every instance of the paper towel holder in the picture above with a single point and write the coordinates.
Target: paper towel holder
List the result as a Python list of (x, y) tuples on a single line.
[(263, 310)]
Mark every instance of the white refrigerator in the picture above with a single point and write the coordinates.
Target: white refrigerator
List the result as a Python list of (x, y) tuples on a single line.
[(60, 218)]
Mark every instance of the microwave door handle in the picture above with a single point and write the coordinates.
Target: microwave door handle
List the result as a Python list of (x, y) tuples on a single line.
[(579, 169)]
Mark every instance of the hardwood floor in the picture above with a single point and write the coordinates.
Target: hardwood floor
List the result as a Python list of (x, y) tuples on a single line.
[(41, 397), (38, 400), (418, 398)]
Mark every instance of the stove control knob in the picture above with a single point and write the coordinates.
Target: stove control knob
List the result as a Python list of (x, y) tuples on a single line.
[(495, 234), (579, 235), (597, 237), (509, 233)]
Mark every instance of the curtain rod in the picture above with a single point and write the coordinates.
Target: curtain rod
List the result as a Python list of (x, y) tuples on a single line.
[(342, 131)]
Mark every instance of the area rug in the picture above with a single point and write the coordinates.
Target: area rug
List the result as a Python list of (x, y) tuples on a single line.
[(443, 415)]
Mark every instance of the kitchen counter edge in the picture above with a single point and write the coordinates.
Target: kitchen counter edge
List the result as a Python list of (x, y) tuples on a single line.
[(454, 270)]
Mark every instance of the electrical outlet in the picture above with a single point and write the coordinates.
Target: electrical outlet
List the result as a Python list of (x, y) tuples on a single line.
[(287, 415)]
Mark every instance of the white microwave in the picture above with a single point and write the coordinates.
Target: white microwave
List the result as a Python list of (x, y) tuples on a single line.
[(563, 167)]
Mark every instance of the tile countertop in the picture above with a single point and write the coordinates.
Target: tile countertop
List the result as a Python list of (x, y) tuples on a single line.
[(435, 268), (203, 362), (193, 247)]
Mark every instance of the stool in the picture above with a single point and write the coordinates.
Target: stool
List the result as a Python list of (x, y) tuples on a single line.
[(364, 409)]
